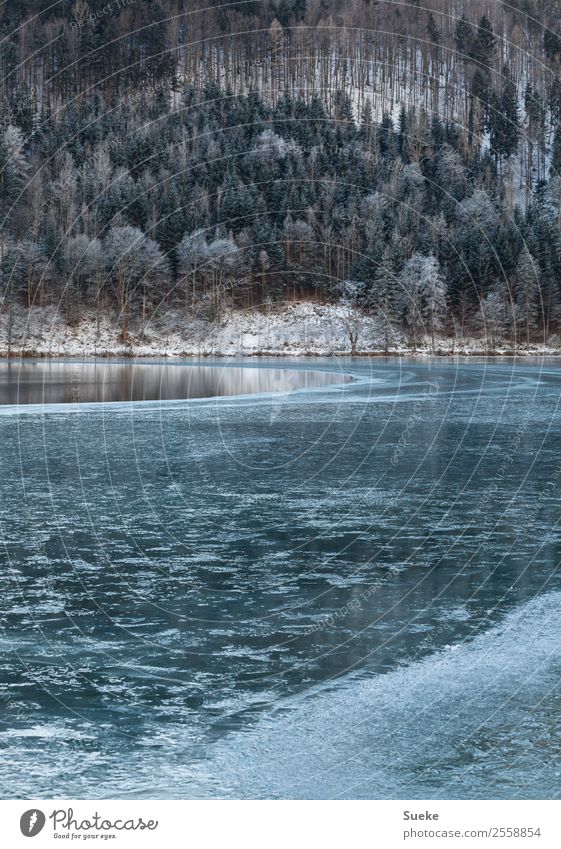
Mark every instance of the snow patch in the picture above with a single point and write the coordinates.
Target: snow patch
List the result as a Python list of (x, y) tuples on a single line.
[(295, 329)]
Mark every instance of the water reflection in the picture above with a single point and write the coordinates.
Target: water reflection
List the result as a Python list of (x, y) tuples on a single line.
[(47, 382)]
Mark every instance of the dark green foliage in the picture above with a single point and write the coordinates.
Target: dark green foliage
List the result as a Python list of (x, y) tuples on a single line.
[(464, 37), (555, 167), (552, 44), (503, 120), (484, 44)]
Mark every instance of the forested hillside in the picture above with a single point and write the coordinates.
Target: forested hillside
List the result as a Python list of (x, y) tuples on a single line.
[(401, 157)]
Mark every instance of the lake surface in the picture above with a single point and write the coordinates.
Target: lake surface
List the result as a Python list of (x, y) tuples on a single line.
[(67, 382), (345, 591)]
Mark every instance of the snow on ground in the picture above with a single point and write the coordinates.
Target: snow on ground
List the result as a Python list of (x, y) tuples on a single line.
[(296, 329)]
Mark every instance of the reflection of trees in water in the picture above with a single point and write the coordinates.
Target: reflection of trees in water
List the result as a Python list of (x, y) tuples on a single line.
[(51, 382)]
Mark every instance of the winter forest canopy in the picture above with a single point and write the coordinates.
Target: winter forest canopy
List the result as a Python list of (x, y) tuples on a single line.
[(405, 158)]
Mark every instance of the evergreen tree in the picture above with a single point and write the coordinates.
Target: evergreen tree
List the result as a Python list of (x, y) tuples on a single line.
[(383, 298), (484, 44), (527, 294), (504, 123), (464, 36), (555, 165)]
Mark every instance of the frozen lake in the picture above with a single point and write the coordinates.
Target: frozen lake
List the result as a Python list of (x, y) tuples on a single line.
[(324, 589)]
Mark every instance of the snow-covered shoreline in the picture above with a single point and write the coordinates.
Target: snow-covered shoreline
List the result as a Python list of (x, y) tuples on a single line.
[(296, 330)]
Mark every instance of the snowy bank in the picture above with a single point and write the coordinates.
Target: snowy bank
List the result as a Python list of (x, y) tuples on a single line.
[(297, 329)]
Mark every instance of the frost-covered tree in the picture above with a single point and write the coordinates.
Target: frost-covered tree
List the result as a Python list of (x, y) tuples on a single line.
[(298, 237), (451, 178), (84, 272), (433, 295), (225, 262), (154, 274), (478, 212), (553, 197), (26, 271), (193, 268), (83, 260), (270, 147), (351, 315), (475, 241), (424, 296), (492, 317), (411, 184), (14, 142), (123, 248), (409, 283)]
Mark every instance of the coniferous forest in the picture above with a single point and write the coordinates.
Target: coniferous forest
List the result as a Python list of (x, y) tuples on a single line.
[(402, 158)]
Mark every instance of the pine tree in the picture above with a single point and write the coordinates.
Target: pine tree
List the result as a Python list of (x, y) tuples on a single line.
[(383, 298), (171, 227), (8, 181), (555, 166), (527, 294), (503, 120), (402, 134), (484, 44), (464, 36)]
